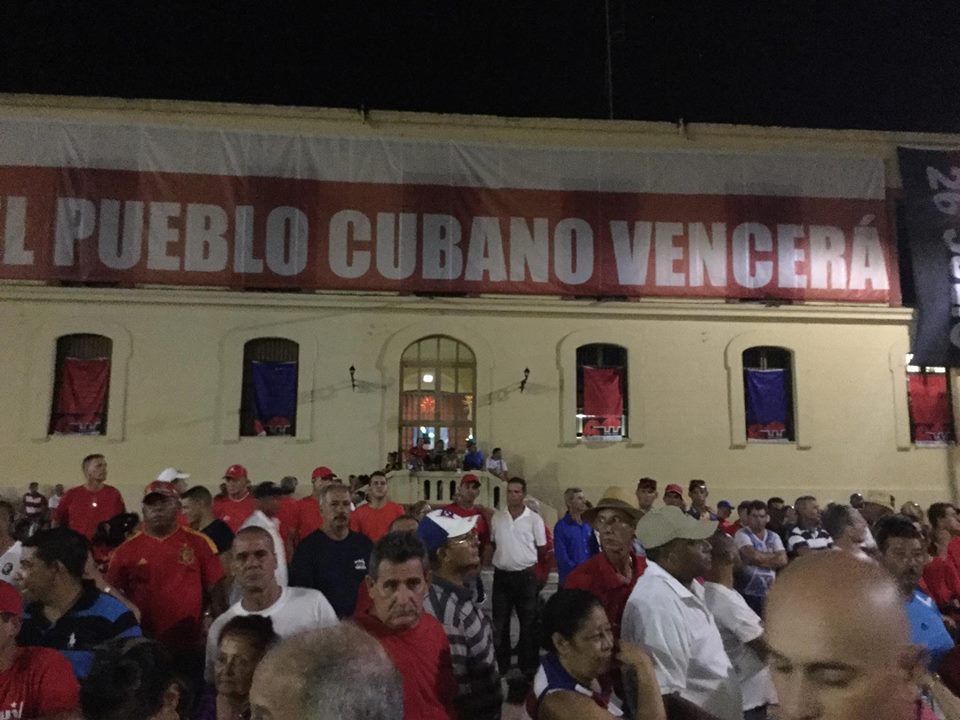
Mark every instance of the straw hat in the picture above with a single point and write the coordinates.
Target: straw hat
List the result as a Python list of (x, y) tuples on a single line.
[(614, 498)]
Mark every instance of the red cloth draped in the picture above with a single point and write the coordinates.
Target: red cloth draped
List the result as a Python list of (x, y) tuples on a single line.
[(602, 400), (82, 402), (931, 417)]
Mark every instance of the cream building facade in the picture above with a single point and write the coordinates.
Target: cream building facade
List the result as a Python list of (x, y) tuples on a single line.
[(177, 353)]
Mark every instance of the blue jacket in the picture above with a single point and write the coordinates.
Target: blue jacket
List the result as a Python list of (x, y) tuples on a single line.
[(571, 545)]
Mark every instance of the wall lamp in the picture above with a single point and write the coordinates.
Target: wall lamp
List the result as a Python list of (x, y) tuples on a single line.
[(353, 382), (523, 383)]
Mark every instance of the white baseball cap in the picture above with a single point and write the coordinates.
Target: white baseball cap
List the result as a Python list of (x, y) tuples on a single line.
[(666, 523), (440, 525), (170, 474)]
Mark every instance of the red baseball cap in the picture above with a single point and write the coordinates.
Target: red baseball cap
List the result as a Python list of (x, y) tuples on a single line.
[(10, 600), (469, 478), (321, 472), (673, 488), (161, 488), (235, 472)]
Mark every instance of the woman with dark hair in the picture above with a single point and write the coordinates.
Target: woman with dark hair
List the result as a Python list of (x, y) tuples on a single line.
[(133, 678), (573, 680), (243, 642)]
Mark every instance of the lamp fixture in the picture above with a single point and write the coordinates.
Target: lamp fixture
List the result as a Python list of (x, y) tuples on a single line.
[(523, 383), (353, 382)]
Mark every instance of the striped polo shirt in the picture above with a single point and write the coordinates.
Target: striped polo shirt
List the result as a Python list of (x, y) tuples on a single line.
[(93, 620), (479, 695), (815, 538)]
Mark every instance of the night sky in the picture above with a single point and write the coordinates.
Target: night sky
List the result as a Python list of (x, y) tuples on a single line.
[(887, 64)]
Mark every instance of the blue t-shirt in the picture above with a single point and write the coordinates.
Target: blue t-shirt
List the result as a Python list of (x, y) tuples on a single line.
[(927, 628), (334, 567)]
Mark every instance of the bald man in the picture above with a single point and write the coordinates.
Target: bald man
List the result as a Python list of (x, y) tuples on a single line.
[(316, 676), (841, 650)]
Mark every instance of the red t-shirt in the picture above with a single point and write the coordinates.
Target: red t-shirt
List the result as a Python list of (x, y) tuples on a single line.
[(166, 578), (422, 655), (596, 575), (375, 523), (40, 682), (287, 516), (234, 512), (483, 528), (941, 581), (308, 517), (82, 510)]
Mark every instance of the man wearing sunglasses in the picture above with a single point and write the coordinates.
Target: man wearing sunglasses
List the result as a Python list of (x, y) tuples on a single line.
[(454, 550)]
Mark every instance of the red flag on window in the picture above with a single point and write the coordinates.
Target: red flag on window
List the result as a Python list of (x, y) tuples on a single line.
[(602, 401), (81, 405), (931, 417)]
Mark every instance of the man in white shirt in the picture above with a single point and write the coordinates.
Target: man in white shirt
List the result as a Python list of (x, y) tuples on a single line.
[(667, 616), (10, 549), (496, 465), (740, 628), (267, 495), (292, 610), (519, 538)]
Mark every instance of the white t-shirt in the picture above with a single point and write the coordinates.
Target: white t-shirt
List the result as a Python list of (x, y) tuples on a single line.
[(259, 519), (739, 625), (10, 563), (296, 611), (497, 467), (517, 540), (53, 501), (672, 623)]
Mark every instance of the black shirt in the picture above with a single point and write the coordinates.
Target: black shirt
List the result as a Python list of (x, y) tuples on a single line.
[(221, 535), (334, 567)]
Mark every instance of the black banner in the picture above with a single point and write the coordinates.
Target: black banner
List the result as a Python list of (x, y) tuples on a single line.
[(931, 183)]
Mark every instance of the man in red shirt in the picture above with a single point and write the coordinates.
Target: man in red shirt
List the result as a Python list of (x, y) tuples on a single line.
[(612, 574), (466, 505), (171, 573), (239, 504), (288, 512), (374, 518), (35, 682), (309, 517), (398, 580), (85, 506)]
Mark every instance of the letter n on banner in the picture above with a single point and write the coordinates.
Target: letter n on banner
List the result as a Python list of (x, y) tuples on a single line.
[(274, 398), (81, 404), (602, 403), (766, 392), (931, 417)]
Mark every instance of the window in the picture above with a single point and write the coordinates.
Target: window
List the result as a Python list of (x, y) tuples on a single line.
[(268, 402), (81, 385), (930, 405), (601, 392), (768, 394), (437, 393)]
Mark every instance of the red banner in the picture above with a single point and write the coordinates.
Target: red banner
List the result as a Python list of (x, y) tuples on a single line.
[(128, 227), (82, 402), (931, 417), (602, 401)]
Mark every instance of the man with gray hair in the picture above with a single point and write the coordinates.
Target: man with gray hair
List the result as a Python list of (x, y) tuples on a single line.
[(571, 535), (315, 676), (398, 580)]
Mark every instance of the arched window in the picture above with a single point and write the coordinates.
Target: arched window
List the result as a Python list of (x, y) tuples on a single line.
[(268, 402), (768, 394), (602, 392), (81, 385), (438, 389), (930, 404)]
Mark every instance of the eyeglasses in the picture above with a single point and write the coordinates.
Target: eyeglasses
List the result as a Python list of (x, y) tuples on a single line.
[(614, 522)]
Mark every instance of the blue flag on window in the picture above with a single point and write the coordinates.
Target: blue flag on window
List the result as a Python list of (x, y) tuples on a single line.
[(274, 397), (766, 392)]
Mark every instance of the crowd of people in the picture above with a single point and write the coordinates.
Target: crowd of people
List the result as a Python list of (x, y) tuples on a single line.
[(345, 604)]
